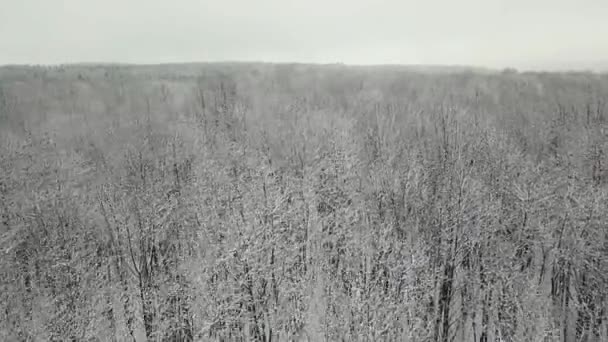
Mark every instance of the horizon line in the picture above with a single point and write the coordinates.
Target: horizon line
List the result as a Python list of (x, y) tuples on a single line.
[(464, 67)]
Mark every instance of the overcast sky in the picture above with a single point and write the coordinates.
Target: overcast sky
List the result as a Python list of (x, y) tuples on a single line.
[(539, 34)]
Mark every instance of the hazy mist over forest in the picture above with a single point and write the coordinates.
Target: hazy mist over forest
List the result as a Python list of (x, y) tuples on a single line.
[(540, 34)]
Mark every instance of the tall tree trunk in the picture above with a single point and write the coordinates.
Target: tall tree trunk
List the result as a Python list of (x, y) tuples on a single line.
[(125, 298), (148, 311), (110, 315), (121, 269), (445, 299)]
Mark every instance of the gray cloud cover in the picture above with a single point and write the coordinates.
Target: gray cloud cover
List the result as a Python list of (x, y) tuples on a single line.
[(545, 34)]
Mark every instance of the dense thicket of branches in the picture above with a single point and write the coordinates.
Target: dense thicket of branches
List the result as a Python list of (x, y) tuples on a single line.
[(284, 202)]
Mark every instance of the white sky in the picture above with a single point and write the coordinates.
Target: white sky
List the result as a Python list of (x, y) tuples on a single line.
[(539, 34)]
